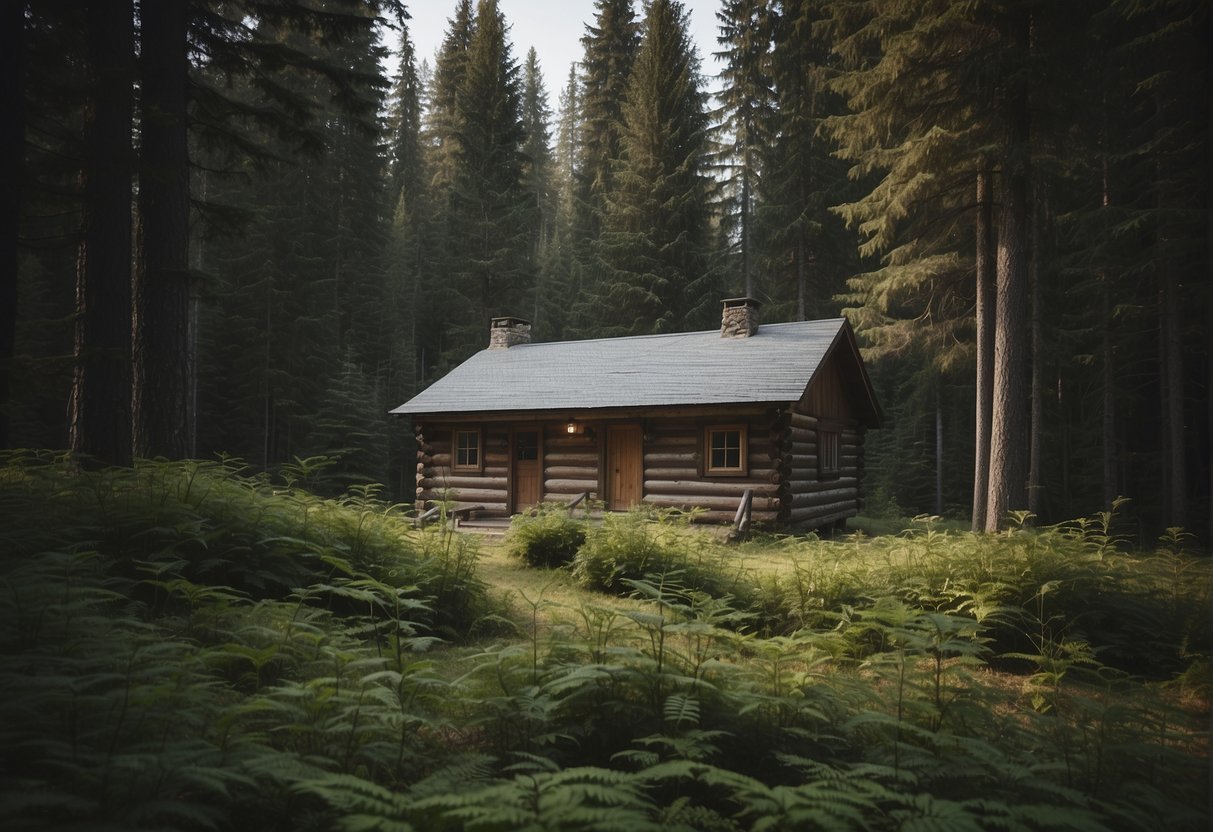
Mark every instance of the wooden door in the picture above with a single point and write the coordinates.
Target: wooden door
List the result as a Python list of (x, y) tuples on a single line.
[(526, 469), (624, 466)]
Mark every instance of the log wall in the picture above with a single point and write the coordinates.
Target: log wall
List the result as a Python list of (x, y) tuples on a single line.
[(782, 459), (674, 465), (809, 499), (437, 482)]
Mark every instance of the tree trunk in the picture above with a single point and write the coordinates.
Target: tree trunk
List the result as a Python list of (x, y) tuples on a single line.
[(938, 454), (12, 150), (163, 363), (985, 344), (1036, 422), (100, 403), (1175, 512), (1008, 426)]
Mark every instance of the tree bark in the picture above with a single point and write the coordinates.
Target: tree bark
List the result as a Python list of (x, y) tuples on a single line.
[(1175, 462), (938, 454), (163, 367), (985, 344), (12, 150), (1036, 421), (100, 403), (1008, 426)]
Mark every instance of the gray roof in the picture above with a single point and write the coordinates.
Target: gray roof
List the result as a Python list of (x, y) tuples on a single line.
[(689, 368)]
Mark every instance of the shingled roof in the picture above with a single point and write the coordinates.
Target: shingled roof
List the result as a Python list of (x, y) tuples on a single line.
[(775, 365)]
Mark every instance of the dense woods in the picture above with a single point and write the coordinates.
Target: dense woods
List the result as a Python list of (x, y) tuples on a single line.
[(251, 228)]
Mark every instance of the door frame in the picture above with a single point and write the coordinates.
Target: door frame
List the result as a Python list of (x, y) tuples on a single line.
[(512, 470), (607, 477)]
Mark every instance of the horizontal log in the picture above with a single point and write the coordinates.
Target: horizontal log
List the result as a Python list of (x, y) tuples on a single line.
[(800, 420), (803, 448), (571, 458), (430, 500), (671, 473), (821, 498), (472, 495), (818, 486), (824, 520), (574, 472), (820, 514), (671, 459), (727, 504), (727, 516), (672, 440), (565, 440), (802, 435), (566, 496), (435, 459), (567, 486), (495, 483), (696, 488), (802, 468), (496, 458)]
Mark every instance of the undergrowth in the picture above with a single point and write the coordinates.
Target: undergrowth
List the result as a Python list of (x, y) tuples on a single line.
[(314, 689)]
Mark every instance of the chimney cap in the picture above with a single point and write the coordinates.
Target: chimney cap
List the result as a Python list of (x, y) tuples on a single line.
[(507, 321), (742, 301)]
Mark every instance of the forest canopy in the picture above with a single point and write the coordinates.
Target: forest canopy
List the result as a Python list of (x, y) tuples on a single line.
[(251, 228)]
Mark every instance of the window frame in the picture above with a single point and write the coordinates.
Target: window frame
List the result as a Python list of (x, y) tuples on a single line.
[(478, 466), (743, 450), (827, 471)]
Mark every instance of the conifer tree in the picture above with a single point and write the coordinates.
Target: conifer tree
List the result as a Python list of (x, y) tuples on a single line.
[(802, 250), (743, 124), (100, 421), (488, 228), (561, 270), (654, 251), (611, 44), (537, 174)]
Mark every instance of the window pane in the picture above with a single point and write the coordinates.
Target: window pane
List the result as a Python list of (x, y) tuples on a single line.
[(526, 446), (467, 449), (725, 450)]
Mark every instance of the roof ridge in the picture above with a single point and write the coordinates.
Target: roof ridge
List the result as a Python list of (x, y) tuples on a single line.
[(650, 335)]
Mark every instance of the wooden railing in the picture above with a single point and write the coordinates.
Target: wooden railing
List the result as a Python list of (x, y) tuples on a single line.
[(578, 500), (454, 515), (745, 510)]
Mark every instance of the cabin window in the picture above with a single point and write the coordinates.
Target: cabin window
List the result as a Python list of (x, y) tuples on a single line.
[(828, 442), (725, 451), (468, 456)]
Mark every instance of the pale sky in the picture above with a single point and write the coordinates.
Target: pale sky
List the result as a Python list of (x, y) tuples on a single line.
[(554, 28)]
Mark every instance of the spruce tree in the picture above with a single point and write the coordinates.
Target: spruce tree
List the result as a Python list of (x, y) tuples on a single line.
[(537, 179), (743, 125), (802, 252), (488, 240), (654, 250), (611, 44)]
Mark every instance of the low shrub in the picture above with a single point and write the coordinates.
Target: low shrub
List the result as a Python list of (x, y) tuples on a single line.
[(646, 542), (546, 536)]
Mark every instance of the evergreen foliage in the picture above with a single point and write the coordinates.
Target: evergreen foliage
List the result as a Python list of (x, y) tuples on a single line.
[(348, 235), (654, 252)]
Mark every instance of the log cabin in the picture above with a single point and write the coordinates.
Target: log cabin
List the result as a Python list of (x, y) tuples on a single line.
[(680, 420)]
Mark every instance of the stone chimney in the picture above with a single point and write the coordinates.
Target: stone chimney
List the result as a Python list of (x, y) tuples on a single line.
[(506, 332), (739, 318)]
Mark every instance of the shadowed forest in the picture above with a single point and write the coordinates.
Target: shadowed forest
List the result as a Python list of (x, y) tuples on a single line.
[(247, 229), (237, 233)]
